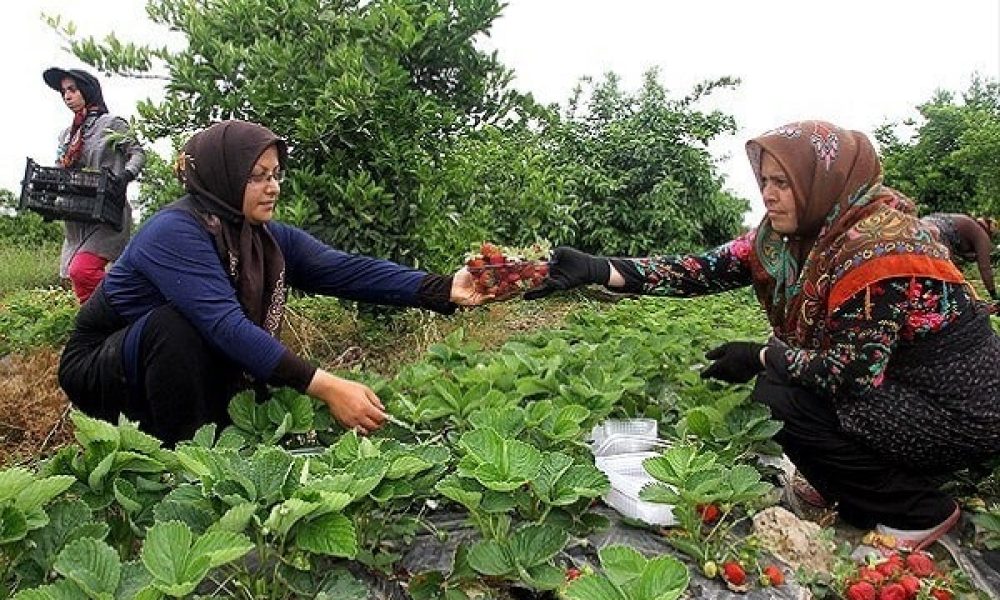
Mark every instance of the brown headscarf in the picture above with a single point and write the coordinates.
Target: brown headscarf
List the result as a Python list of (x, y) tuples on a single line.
[(852, 231), (214, 167)]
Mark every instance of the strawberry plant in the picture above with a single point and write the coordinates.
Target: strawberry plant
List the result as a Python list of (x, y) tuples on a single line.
[(987, 521), (387, 515), (628, 575), (90, 568), (120, 472), (526, 556), (23, 498), (286, 412), (69, 520), (689, 477)]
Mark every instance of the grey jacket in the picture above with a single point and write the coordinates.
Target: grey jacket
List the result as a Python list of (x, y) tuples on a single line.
[(98, 152)]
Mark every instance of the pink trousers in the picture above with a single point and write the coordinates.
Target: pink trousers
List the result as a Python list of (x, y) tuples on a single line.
[(86, 271)]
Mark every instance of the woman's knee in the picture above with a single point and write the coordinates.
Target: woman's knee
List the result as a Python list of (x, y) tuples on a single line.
[(804, 415), (169, 335)]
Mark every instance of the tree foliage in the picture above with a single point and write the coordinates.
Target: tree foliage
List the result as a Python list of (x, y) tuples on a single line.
[(642, 176), (952, 162), (24, 228), (369, 95), (407, 141)]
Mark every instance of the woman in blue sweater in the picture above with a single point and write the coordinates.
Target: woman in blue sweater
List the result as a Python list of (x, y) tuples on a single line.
[(190, 314)]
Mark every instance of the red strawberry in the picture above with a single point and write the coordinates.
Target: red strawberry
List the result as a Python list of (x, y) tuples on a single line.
[(475, 265), (488, 249), (572, 573), (920, 564), (890, 568), (893, 591), (941, 594), (774, 575), (495, 259), (871, 575), (911, 584), (861, 590), (733, 572), (710, 513)]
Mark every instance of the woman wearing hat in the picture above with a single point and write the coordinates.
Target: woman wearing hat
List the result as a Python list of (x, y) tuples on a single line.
[(87, 144)]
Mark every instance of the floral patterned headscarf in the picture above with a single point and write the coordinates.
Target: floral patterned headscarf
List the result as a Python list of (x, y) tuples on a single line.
[(852, 230)]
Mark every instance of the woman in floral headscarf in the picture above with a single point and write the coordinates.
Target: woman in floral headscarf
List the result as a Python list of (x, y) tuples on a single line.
[(883, 369)]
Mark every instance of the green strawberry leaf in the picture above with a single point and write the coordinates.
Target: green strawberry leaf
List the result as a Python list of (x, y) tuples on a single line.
[(92, 565), (594, 587), (622, 564), (331, 535), (490, 557), (537, 544)]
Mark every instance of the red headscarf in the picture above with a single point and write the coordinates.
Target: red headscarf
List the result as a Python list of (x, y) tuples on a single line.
[(852, 230)]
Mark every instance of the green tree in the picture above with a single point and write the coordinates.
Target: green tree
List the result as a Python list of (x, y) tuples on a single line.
[(639, 169), (24, 228), (952, 162), (370, 95)]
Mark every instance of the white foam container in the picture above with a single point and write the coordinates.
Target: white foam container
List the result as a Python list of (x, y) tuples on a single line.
[(628, 477), (643, 428), (627, 444)]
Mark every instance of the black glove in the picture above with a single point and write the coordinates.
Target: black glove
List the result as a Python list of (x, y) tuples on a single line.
[(735, 362), (571, 268), (116, 185)]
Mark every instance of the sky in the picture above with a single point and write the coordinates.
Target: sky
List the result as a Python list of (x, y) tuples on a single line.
[(857, 63)]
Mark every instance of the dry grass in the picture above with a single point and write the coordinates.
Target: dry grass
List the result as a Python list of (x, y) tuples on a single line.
[(349, 343), (32, 407)]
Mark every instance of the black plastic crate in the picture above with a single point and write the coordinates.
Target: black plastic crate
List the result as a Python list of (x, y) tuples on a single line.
[(70, 195)]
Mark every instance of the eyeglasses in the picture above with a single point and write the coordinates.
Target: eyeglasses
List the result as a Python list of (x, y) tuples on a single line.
[(278, 175)]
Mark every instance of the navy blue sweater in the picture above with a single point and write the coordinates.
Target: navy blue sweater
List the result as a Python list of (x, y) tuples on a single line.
[(172, 260)]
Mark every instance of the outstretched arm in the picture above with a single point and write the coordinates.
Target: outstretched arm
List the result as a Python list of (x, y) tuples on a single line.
[(976, 237), (983, 250)]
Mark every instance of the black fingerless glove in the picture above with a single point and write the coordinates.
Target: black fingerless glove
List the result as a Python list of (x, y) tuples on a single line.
[(735, 362), (569, 269), (116, 185), (434, 293)]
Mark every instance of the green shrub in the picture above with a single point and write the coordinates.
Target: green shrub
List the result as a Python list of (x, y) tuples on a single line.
[(32, 318), (27, 267), (24, 228)]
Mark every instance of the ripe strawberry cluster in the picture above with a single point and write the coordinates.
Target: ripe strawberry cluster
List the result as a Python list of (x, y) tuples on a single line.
[(504, 272), (735, 575), (899, 577)]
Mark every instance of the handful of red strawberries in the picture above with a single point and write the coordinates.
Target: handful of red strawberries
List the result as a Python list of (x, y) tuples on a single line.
[(899, 576), (503, 272)]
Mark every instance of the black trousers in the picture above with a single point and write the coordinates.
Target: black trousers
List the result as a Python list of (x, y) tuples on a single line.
[(182, 382), (869, 488)]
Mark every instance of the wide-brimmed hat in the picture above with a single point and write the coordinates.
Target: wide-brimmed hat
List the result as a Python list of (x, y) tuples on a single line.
[(89, 85)]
